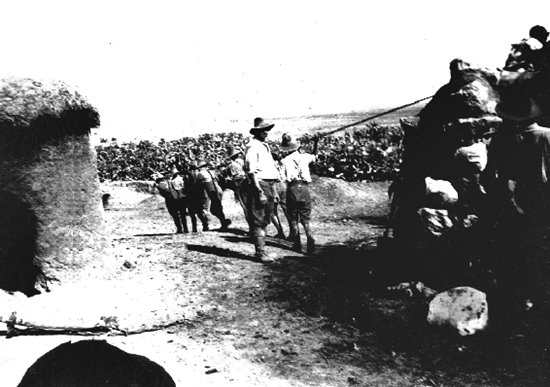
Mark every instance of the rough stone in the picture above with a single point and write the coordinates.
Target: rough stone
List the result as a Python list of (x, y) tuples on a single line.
[(440, 193), (435, 222), (463, 308)]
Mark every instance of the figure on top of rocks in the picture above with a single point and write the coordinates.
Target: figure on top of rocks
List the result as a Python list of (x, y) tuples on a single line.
[(529, 54)]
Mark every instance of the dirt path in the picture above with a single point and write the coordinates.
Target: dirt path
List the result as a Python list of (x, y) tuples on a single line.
[(298, 322)]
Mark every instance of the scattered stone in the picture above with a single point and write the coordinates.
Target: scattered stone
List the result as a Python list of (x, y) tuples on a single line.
[(288, 352), (128, 265), (412, 289), (463, 308), (211, 371), (435, 222)]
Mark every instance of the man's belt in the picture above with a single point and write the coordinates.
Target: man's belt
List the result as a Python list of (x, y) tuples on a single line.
[(298, 182), (269, 180)]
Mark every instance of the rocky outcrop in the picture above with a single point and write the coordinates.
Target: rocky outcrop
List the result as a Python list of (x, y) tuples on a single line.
[(440, 180)]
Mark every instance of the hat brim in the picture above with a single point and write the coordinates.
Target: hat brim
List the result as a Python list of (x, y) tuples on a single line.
[(289, 148), (232, 156), (262, 128)]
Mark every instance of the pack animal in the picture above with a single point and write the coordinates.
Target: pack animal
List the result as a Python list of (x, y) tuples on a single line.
[(175, 191)]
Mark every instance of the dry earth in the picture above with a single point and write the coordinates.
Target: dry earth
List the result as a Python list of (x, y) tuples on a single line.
[(198, 305)]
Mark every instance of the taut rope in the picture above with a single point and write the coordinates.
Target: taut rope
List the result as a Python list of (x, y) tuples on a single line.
[(375, 116)]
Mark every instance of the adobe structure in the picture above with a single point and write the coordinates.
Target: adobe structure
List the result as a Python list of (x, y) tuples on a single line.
[(51, 216)]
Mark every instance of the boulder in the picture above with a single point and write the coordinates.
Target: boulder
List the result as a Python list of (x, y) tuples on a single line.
[(463, 308), (440, 193)]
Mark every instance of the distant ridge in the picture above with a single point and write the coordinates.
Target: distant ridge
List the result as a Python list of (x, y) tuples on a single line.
[(296, 125)]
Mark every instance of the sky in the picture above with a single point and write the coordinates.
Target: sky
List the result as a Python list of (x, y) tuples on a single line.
[(174, 68)]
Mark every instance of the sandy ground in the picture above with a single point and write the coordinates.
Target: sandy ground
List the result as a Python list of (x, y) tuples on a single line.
[(210, 315)]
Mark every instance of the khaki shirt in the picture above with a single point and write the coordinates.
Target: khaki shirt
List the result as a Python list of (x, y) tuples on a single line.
[(296, 166), (258, 160)]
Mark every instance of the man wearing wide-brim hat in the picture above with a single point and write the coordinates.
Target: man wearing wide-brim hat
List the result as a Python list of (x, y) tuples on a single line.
[(263, 176), (298, 197)]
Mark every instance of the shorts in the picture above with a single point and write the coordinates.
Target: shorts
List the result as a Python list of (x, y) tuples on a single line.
[(260, 214), (298, 201)]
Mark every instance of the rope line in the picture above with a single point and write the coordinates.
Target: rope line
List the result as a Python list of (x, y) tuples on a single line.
[(374, 116)]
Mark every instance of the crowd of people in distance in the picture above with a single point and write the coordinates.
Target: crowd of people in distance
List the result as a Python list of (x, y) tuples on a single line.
[(262, 179)]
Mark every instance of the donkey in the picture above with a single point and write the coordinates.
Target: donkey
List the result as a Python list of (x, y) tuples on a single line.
[(175, 193)]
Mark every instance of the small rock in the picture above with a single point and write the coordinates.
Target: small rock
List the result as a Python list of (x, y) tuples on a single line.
[(288, 352), (128, 265), (211, 371)]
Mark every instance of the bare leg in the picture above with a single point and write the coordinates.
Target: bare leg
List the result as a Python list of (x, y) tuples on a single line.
[(310, 240), (295, 235), (277, 223)]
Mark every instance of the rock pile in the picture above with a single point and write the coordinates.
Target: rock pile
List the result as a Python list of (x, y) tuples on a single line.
[(439, 191)]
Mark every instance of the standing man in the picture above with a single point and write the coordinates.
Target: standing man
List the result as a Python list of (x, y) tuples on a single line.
[(263, 176), (298, 196), (234, 176), (524, 259)]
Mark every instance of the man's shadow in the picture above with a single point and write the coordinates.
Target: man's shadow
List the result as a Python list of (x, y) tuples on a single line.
[(244, 237), (221, 252)]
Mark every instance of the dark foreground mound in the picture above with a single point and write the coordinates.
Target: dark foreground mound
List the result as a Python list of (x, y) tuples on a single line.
[(94, 363)]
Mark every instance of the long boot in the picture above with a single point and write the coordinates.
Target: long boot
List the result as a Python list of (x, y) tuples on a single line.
[(259, 245)]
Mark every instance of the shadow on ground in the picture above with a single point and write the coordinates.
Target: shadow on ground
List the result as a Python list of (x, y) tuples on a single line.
[(220, 252), (342, 292)]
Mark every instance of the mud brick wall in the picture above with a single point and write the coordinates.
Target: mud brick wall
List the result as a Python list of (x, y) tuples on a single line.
[(51, 216)]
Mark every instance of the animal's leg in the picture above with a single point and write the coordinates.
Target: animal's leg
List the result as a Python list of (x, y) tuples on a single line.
[(174, 213), (184, 221), (193, 217)]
